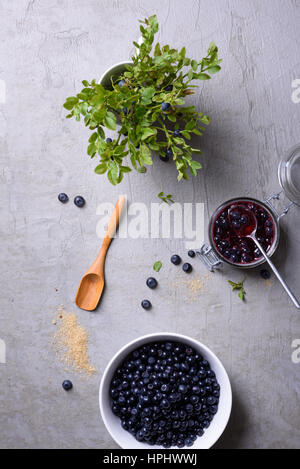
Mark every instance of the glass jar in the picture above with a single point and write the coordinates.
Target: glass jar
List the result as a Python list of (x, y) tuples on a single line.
[(289, 179)]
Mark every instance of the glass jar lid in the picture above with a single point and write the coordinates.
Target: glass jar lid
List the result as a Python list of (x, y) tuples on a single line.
[(289, 174)]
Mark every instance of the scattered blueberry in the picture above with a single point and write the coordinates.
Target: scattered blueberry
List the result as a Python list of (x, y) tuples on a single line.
[(122, 83), (169, 88), (191, 253), (187, 267), (108, 140), (67, 385), (175, 259), (151, 282), (177, 133), (158, 404), (146, 304), (79, 201), (165, 106), (265, 274), (125, 111), (63, 198)]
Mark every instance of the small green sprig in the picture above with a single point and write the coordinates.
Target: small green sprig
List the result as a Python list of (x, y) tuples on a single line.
[(157, 266), (168, 199), (240, 287), (158, 75)]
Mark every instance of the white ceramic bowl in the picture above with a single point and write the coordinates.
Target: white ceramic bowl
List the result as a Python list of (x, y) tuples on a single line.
[(112, 422)]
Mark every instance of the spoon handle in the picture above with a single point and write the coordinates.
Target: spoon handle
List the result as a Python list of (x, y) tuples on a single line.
[(283, 283)]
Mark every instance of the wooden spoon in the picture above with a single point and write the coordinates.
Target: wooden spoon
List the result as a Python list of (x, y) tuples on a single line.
[(92, 283)]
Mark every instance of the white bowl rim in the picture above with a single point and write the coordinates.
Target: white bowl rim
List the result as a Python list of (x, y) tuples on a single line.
[(148, 338)]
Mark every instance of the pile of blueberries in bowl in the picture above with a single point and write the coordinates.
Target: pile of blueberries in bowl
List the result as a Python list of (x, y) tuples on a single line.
[(163, 393)]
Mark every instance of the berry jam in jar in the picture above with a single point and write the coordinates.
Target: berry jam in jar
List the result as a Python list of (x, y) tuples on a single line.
[(229, 234)]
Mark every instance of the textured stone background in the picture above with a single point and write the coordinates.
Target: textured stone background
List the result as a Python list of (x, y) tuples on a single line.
[(47, 47)]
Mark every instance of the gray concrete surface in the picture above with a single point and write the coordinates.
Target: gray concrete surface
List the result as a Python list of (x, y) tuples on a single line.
[(47, 47)]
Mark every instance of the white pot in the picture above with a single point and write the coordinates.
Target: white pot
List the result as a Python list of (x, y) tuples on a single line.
[(113, 72)]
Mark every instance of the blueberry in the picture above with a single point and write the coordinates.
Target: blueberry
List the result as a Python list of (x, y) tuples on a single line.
[(188, 442), (269, 231), (165, 404), (169, 88), (108, 140), (63, 198), (257, 253), (191, 253), (236, 225), (67, 385), (169, 152), (211, 400), (265, 274), (177, 133), (175, 259), (235, 215), (187, 267), (151, 283), (165, 106), (244, 220), (79, 201), (234, 258), (269, 223), (146, 304), (227, 253), (182, 389), (122, 83), (125, 111)]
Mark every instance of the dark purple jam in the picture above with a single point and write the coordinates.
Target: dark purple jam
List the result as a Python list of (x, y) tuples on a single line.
[(229, 234)]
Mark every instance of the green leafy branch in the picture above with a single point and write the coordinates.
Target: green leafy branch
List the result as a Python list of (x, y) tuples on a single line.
[(168, 199), (148, 100), (240, 287)]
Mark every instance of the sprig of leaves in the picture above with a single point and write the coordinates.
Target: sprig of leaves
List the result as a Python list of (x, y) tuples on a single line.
[(158, 74), (168, 199), (157, 266), (240, 287)]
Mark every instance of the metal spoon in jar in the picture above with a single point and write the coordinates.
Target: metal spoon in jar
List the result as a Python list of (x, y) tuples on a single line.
[(249, 231)]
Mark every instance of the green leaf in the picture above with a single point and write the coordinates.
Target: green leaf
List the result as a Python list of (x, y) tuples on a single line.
[(148, 132), (194, 64), (101, 168), (190, 125), (203, 76), (68, 105), (93, 137), (213, 69), (110, 121), (145, 154), (240, 287), (157, 266)]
